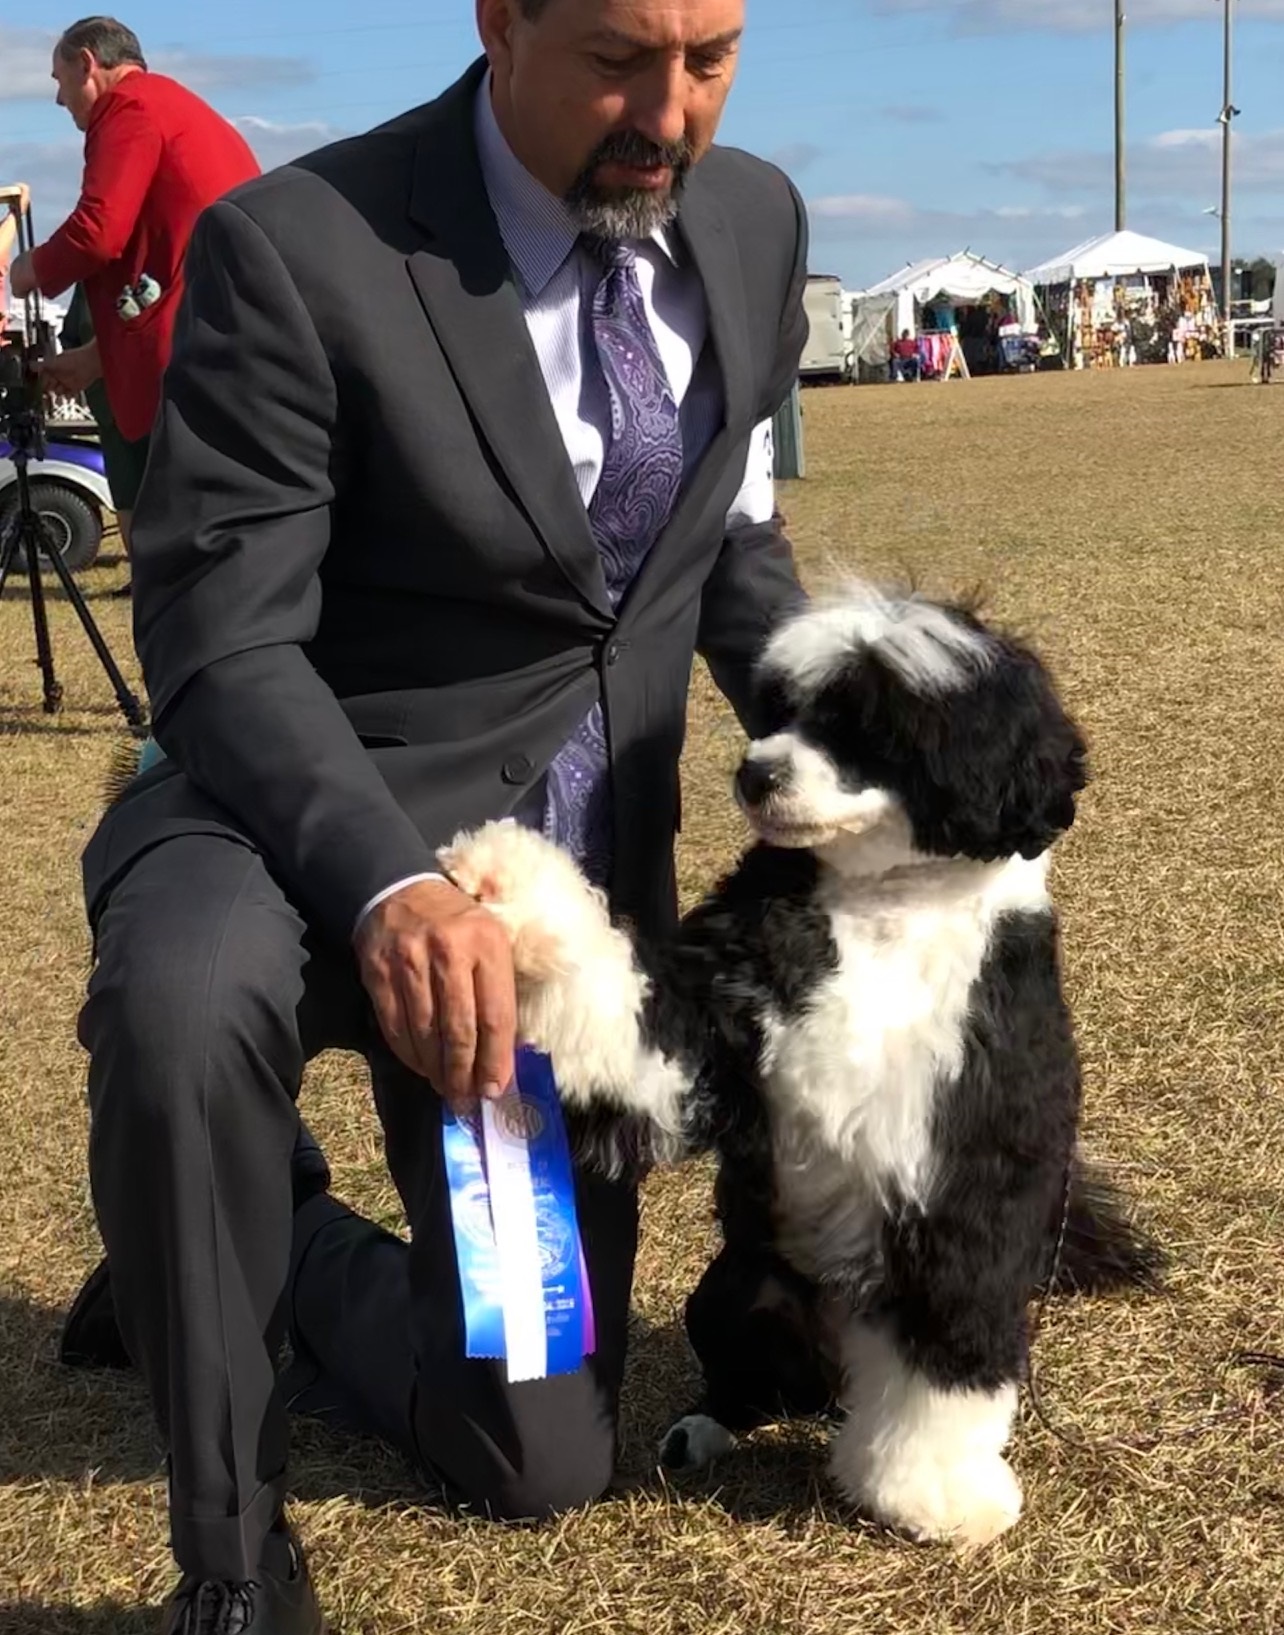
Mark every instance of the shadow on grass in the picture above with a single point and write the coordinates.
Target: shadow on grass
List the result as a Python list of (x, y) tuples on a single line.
[(107, 1618)]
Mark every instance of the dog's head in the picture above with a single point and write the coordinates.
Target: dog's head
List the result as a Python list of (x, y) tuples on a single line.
[(906, 730)]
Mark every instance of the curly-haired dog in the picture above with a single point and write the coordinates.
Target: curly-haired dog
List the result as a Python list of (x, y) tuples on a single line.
[(866, 1022)]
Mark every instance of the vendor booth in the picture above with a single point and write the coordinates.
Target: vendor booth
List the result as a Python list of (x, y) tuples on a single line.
[(964, 314), (1124, 298)]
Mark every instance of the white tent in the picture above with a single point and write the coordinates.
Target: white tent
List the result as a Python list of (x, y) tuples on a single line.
[(1115, 255), (1277, 309), (890, 307)]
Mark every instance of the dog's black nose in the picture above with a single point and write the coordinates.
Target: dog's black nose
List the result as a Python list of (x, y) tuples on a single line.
[(758, 779)]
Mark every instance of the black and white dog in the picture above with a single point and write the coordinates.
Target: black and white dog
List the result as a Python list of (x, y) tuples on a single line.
[(865, 1021)]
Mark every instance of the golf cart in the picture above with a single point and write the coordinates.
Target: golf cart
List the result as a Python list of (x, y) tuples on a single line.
[(68, 489)]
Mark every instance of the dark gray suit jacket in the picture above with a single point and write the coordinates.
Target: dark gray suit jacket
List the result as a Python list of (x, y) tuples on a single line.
[(368, 603)]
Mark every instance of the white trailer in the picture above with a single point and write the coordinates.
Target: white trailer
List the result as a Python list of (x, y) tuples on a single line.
[(827, 354)]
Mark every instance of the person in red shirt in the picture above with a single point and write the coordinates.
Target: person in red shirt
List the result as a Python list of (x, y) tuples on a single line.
[(155, 157)]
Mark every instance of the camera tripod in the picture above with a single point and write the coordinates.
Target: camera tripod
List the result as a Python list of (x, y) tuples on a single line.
[(28, 533)]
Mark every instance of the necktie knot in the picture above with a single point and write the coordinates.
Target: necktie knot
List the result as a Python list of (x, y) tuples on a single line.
[(612, 254)]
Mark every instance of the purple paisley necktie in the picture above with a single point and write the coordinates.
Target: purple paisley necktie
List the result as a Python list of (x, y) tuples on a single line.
[(635, 494)]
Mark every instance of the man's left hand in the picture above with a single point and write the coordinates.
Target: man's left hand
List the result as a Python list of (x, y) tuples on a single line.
[(69, 373), (22, 276)]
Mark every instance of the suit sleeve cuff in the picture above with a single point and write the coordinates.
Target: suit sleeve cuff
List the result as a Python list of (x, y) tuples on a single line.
[(388, 891)]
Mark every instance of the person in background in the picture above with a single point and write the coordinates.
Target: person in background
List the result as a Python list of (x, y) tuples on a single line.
[(906, 363), (155, 156), (13, 203), (118, 457)]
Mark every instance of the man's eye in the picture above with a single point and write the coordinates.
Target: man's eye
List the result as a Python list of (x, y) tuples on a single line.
[(614, 65), (708, 66)]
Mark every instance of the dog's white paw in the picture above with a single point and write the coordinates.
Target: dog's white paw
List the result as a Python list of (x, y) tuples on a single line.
[(696, 1440), (533, 888), (968, 1504), (579, 993)]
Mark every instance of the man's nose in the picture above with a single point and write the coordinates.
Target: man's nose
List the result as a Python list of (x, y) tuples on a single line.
[(758, 779), (661, 112)]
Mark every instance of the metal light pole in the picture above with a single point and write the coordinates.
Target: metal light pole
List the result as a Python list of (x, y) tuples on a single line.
[(1120, 197), (1229, 110)]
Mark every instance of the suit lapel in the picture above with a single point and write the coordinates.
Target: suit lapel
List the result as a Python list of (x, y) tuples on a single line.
[(466, 285)]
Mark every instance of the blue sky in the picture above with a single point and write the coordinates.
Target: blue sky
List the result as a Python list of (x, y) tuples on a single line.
[(912, 127)]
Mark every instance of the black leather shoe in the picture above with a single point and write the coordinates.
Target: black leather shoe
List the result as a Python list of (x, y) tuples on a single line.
[(280, 1601), (91, 1335)]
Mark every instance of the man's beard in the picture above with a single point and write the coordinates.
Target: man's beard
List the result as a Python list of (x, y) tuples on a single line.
[(618, 213)]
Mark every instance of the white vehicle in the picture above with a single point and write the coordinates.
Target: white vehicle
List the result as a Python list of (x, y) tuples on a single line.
[(827, 354)]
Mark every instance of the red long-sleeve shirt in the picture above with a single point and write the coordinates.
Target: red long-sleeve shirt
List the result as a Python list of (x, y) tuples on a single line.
[(155, 157)]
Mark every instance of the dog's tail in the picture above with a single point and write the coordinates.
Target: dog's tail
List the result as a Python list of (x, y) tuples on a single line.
[(1103, 1248)]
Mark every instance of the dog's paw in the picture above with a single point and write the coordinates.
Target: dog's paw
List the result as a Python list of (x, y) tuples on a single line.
[(533, 888), (696, 1440), (968, 1504)]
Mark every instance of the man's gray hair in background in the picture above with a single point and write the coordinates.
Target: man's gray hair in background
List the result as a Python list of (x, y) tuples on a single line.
[(111, 44)]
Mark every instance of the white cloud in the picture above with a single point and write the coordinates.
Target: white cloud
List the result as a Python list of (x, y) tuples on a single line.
[(796, 157), (53, 169), (26, 52), (1180, 165), (860, 208), (1073, 16), (277, 144)]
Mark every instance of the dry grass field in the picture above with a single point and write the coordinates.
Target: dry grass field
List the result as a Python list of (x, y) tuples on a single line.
[(1133, 524)]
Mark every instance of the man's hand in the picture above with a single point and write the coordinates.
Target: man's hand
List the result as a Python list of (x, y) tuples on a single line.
[(69, 373), (439, 969), (22, 276)]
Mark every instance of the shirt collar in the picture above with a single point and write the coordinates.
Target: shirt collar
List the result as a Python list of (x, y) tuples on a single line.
[(536, 227)]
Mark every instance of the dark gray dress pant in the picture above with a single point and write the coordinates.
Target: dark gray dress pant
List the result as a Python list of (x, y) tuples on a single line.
[(207, 998)]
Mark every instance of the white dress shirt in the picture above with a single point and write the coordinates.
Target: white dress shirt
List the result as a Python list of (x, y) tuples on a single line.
[(556, 280)]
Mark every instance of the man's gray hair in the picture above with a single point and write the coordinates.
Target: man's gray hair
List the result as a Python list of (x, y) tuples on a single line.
[(110, 43)]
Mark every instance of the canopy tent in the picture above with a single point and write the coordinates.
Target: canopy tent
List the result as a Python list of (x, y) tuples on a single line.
[(1277, 309), (1115, 255), (1124, 298), (887, 309)]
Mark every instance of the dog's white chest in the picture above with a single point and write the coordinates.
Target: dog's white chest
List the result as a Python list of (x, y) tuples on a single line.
[(852, 1082)]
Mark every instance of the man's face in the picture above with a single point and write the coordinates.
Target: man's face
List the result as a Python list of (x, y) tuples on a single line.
[(79, 83), (610, 102)]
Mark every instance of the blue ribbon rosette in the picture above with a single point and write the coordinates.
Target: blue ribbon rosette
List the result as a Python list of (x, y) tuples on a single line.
[(522, 1274)]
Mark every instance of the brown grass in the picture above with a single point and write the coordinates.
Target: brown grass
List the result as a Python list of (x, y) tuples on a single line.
[(1132, 523)]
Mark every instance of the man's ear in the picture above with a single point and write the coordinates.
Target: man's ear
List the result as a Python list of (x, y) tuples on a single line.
[(495, 21)]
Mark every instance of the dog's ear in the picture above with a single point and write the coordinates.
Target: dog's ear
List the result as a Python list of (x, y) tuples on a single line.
[(1002, 779)]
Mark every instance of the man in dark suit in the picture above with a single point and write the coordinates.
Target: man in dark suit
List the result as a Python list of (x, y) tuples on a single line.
[(464, 452)]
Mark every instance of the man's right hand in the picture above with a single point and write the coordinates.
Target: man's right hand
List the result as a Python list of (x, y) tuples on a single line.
[(439, 970)]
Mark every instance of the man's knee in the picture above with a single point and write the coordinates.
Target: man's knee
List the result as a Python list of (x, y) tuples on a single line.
[(553, 1483), (193, 973)]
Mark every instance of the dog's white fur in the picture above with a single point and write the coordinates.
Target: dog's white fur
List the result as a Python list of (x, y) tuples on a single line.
[(915, 637)]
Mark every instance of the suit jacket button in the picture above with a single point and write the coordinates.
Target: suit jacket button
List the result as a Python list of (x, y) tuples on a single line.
[(518, 768), (612, 652)]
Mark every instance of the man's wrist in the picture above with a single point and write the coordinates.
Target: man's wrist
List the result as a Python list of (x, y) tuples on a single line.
[(390, 891)]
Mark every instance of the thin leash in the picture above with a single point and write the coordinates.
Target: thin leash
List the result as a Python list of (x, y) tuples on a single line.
[(1073, 1437)]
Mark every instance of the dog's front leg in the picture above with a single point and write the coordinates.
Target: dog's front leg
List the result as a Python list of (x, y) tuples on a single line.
[(583, 996), (921, 1452)]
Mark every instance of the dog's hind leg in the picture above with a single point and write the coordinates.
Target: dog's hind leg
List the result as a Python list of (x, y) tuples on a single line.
[(755, 1326)]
